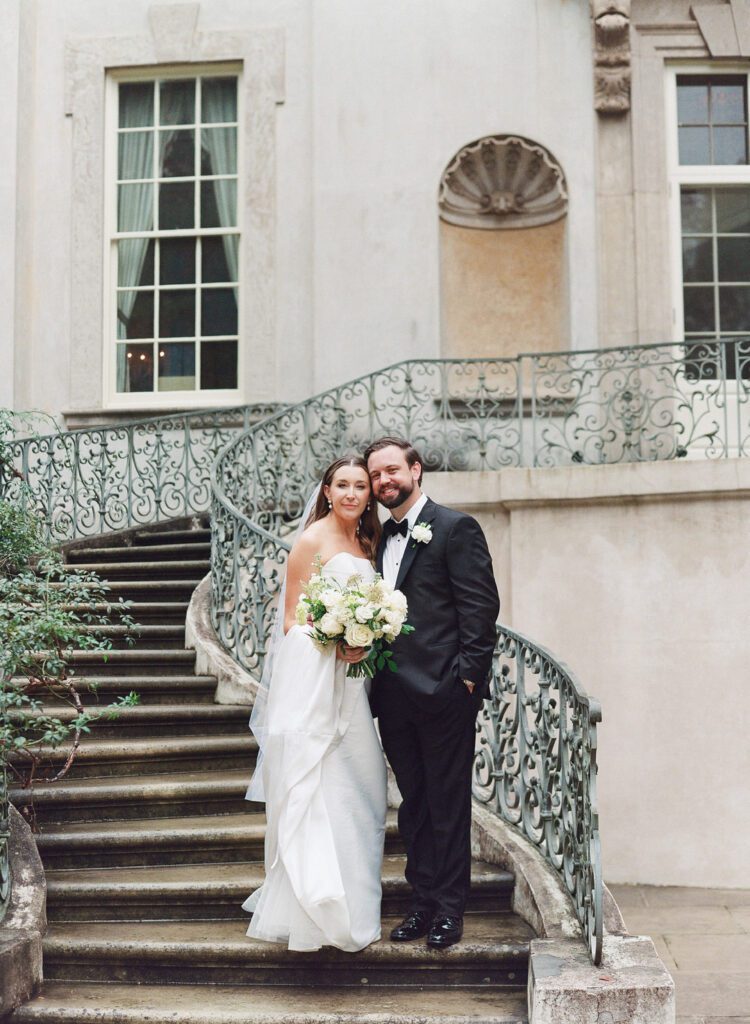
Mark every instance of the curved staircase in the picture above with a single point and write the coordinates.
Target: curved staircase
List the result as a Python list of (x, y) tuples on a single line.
[(150, 848)]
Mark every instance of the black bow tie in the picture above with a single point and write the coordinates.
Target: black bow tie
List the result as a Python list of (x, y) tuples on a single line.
[(391, 528)]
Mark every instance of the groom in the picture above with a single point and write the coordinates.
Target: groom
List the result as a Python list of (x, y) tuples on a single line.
[(427, 708)]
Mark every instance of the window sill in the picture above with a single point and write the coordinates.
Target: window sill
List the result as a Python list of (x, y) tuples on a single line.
[(117, 413)]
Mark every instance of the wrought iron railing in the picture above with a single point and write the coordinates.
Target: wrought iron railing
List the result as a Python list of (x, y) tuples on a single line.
[(548, 409), (536, 757), (91, 481), (535, 766), (640, 403), (94, 480), (459, 413)]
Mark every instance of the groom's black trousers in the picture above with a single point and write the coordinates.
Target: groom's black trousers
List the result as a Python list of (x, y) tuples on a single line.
[(431, 753)]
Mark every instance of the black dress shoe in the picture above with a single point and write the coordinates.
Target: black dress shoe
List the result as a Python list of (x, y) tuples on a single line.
[(413, 926), (445, 931)]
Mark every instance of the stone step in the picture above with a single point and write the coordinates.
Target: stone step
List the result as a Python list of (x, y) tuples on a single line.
[(190, 892), (149, 720), (168, 535), (142, 552), (151, 661), (161, 636), (146, 612), (152, 689), (74, 1003), (197, 839), (161, 570), (104, 758), (154, 589), (171, 794), (494, 952)]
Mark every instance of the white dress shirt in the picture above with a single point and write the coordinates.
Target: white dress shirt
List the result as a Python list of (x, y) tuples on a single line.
[(395, 546)]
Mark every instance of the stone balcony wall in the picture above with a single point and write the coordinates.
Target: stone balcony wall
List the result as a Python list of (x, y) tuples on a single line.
[(638, 577)]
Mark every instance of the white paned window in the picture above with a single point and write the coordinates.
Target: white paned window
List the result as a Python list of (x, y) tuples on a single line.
[(173, 306), (710, 192)]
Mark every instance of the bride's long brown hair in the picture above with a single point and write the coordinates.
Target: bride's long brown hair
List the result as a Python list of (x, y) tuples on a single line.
[(369, 524)]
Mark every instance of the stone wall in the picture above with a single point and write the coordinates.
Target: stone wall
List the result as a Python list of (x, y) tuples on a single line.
[(25, 921), (503, 293), (362, 105), (638, 577)]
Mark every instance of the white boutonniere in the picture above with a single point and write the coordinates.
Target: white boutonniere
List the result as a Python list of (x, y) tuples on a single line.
[(422, 533)]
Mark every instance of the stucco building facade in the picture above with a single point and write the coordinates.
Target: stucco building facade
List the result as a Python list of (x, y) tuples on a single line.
[(227, 201), (346, 121)]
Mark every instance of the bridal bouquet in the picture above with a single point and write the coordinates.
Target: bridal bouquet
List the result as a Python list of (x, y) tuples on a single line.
[(356, 613)]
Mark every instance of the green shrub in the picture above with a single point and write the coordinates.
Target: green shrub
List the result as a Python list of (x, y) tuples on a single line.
[(48, 610)]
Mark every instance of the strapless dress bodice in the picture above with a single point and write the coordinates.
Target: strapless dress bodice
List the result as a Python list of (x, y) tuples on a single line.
[(343, 565)]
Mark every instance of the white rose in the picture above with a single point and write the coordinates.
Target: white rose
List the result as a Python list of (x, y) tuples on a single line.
[(397, 601), (329, 625), (364, 613), (422, 533), (358, 635), (330, 598)]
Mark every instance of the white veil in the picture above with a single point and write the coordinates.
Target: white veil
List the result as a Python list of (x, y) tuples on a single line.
[(258, 716)]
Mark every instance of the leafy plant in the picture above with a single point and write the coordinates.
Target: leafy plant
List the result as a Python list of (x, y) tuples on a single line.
[(48, 610)]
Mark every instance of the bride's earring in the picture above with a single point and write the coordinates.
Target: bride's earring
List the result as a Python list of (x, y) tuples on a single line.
[(330, 504)]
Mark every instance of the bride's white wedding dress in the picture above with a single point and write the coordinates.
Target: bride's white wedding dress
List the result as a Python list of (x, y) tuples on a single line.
[(324, 778)]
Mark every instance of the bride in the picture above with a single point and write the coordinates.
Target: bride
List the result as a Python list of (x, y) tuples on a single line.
[(321, 769)]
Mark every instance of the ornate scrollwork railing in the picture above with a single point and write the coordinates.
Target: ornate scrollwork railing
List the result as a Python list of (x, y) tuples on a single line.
[(91, 481), (535, 766), (460, 413), (536, 756), (640, 403), (637, 404), (86, 482)]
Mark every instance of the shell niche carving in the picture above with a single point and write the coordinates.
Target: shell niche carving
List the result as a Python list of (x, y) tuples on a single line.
[(503, 181)]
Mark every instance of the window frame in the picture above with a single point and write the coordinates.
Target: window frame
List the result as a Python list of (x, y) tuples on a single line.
[(114, 400), (697, 175)]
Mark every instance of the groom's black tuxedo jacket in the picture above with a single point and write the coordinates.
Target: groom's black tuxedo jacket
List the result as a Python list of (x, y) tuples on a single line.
[(453, 606)]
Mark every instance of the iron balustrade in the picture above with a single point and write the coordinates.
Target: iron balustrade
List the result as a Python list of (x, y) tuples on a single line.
[(91, 481), (535, 766), (638, 403), (634, 403), (94, 480), (535, 763)]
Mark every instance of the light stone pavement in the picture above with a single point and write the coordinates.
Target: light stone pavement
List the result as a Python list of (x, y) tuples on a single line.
[(703, 937)]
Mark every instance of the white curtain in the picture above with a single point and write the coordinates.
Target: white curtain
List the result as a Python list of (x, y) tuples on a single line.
[(221, 146), (135, 209)]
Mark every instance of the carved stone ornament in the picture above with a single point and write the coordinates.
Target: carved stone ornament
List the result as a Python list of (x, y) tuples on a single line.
[(611, 55), (503, 181)]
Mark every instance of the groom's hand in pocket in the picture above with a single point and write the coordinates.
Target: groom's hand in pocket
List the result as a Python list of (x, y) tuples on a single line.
[(351, 655)]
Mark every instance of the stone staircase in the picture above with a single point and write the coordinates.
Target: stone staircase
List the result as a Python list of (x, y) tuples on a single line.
[(150, 848)]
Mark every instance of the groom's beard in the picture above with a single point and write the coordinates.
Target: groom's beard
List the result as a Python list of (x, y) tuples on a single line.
[(397, 499)]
